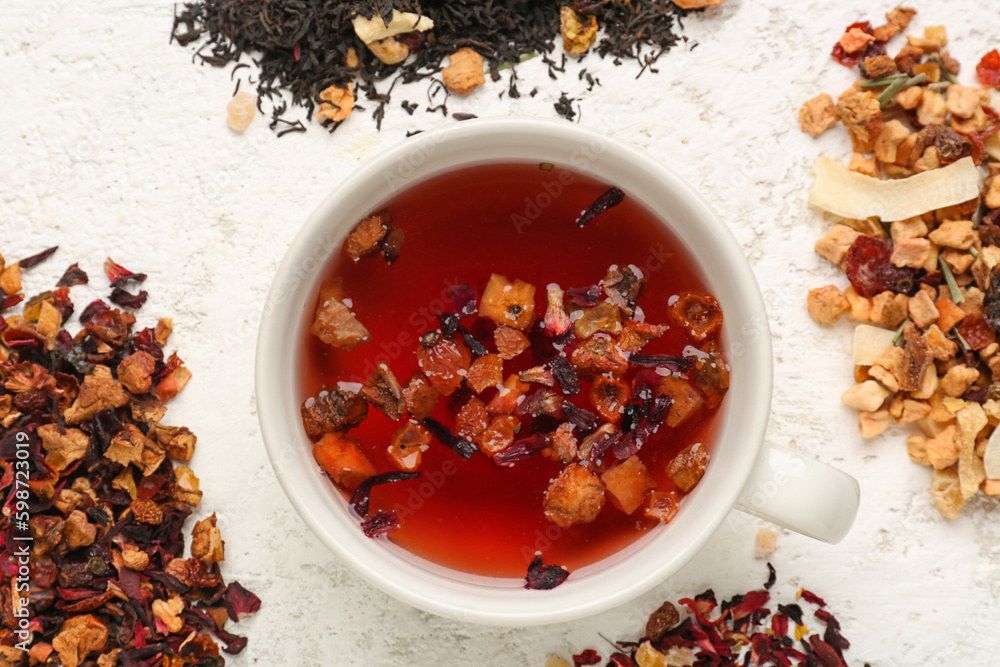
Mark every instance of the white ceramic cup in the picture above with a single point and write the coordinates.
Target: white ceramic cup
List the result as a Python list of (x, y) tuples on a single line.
[(744, 473)]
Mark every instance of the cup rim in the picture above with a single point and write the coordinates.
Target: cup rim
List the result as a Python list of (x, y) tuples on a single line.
[(465, 598)]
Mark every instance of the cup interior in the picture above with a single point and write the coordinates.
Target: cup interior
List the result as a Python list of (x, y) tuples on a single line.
[(613, 580)]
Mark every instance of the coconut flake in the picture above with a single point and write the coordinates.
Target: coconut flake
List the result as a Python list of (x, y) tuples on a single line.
[(375, 29), (991, 457), (843, 192), (870, 343)]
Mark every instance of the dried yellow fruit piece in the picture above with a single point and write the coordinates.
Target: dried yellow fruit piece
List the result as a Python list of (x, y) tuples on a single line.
[(240, 111)]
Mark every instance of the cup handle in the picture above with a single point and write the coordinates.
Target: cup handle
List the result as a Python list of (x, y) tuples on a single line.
[(801, 494)]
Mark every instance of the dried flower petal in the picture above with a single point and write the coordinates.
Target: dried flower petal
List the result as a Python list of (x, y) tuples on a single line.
[(544, 577)]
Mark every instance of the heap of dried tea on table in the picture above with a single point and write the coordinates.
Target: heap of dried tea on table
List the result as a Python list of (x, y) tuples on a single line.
[(326, 53), (97, 490), (918, 236), (742, 630)]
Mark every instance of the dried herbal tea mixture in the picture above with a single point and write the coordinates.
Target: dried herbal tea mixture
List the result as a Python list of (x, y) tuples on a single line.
[(489, 418), (97, 490), (918, 236), (743, 632), (327, 53)]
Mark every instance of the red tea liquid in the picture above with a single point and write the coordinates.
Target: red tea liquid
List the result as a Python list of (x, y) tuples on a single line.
[(518, 220)]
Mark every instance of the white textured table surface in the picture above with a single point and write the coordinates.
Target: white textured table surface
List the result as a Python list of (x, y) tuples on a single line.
[(113, 143)]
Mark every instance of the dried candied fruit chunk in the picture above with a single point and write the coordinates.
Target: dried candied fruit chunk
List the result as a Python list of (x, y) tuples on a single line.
[(598, 355), (407, 445), (343, 460), (499, 435), (604, 316), (976, 331), (509, 396), (364, 238), (635, 335), (687, 468), (556, 320), (508, 303), (662, 505), (331, 410), (486, 371), (623, 286), (699, 314), (335, 324), (575, 496), (609, 396), (444, 361), (420, 396), (383, 391), (711, 375), (510, 342), (472, 419), (627, 483), (564, 444)]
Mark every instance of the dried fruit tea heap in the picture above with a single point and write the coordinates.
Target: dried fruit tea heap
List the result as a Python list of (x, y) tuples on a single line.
[(325, 53), (568, 383), (94, 506), (920, 250), (743, 632)]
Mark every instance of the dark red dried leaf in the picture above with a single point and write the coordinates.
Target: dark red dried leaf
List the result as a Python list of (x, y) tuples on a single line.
[(673, 363), (464, 298), (588, 657), (543, 577), (127, 300), (976, 331), (11, 301), (73, 275), (620, 660), (379, 523), (92, 309), (522, 449), (779, 625), (824, 653), (988, 69), (588, 297), (38, 258), (562, 370), (772, 576), (751, 602)]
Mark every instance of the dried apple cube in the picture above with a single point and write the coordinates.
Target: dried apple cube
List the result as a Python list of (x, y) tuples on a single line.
[(685, 400), (662, 505), (499, 435), (343, 460), (627, 483), (508, 303)]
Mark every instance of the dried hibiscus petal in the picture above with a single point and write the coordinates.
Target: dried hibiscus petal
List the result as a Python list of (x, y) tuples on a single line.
[(569, 383), (92, 309), (976, 331), (588, 297), (464, 298), (362, 493), (543, 577), (37, 258), (609, 199), (588, 657), (73, 275), (127, 300), (522, 449), (379, 523), (119, 275), (673, 363)]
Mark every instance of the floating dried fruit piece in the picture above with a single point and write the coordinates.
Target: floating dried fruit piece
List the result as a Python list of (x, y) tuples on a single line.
[(508, 303), (556, 320), (335, 324), (241, 110), (509, 396), (420, 396), (609, 396), (662, 505), (699, 314), (365, 237), (499, 435), (444, 361), (383, 391), (407, 445), (510, 342), (602, 317), (575, 496), (460, 446), (472, 419), (687, 468), (486, 371), (598, 355), (627, 483), (711, 375), (522, 449), (343, 460), (332, 410)]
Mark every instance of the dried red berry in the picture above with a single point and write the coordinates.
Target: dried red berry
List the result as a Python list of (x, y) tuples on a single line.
[(700, 314), (976, 331), (865, 258)]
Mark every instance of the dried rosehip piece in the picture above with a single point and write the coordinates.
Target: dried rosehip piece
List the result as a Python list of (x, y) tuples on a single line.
[(365, 237), (407, 446), (343, 460), (864, 259), (699, 314), (332, 410), (444, 361), (609, 396), (508, 303)]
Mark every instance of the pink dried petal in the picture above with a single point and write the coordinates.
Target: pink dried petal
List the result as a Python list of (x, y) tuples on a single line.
[(588, 657), (119, 275), (380, 523)]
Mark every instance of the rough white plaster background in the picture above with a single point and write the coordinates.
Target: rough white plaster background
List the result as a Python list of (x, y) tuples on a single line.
[(113, 143)]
